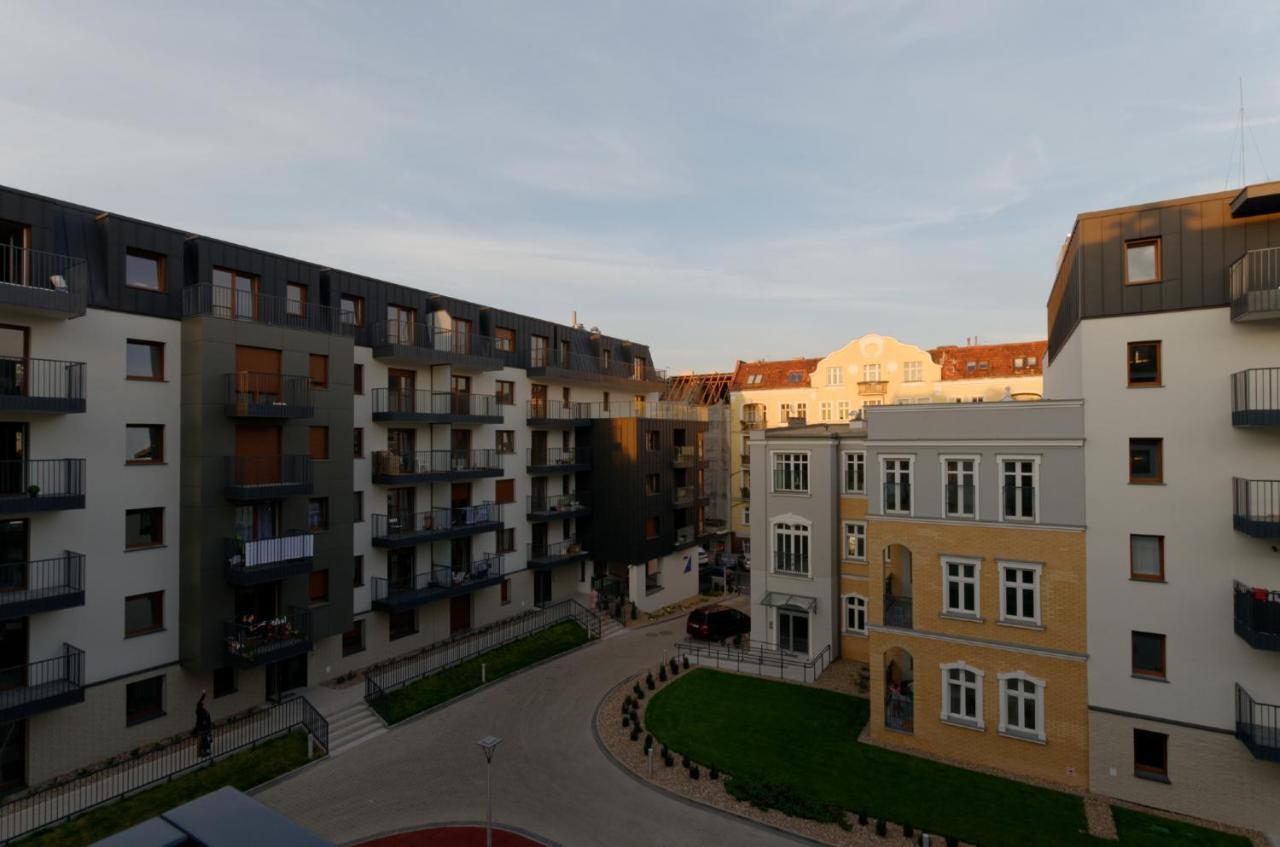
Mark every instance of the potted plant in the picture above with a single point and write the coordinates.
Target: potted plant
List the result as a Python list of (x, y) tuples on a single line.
[(33, 490)]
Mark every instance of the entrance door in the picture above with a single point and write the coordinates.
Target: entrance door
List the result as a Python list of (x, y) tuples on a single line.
[(400, 390), (541, 588), (13, 556), (15, 239), (258, 454), (286, 675), (793, 631), (13, 449), (13, 653), (13, 370), (459, 613)]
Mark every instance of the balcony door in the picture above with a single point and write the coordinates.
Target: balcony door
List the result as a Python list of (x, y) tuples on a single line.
[(459, 614), (13, 449), (460, 390), (538, 450), (13, 653), (537, 400), (286, 675), (259, 521), (15, 241), (260, 602), (401, 445), (460, 553), (258, 454), (258, 373), (400, 568), (400, 390), (400, 503), (14, 554), (461, 336), (13, 371), (400, 324), (236, 295)]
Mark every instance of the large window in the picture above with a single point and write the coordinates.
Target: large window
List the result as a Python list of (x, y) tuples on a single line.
[(897, 485), (504, 441), (855, 614), (1151, 755), (1146, 557), (960, 587), (1022, 706), (962, 694), (960, 495), (791, 472), (871, 373), (143, 614), (144, 700), (1142, 261), (855, 473), (1148, 655), (1018, 489), (504, 339), (791, 548), (351, 310), (143, 528), (913, 371), (1144, 364), (1146, 461), (295, 302), (1020, 593), (505, 392), (855, 541), (144, 360), (143, 269), (835, 376), (144, 444)]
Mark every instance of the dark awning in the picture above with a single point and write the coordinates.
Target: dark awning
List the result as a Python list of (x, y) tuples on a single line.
[(780, 600)]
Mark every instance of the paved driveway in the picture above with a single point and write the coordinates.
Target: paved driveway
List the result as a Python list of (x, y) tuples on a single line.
[(549, 776)]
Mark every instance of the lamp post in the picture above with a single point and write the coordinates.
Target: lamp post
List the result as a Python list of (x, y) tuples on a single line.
[(489, 744)]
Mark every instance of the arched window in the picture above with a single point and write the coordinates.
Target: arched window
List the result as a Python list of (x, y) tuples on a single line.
[(1021, 706), (855, 614), (962, 694)]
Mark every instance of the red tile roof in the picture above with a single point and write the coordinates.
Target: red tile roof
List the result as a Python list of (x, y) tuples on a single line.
[(783, 373), (990, 361)]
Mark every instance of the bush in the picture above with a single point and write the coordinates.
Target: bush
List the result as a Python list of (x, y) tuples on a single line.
[(908, 830), (635, 733), (952, 841), (684, 761), (633, 611), (862, 818), (686, 663), (639, 694), (767, 795), (882, 829), (648, 681), (713, 773), (665, 751), (675, 667), (626, 704), (648, 742), (626, 720), (667, 759), (844, 824), (635, 721), (693, 772), (662, 674)]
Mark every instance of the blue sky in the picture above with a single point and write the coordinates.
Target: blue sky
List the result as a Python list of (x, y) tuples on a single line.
[(720, 180)]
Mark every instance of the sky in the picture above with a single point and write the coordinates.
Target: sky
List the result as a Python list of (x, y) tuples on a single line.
[(721, 181)]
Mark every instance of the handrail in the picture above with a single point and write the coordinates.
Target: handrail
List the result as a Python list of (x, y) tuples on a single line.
[(761, 656), (427, 337), (220, 301), (1254, 281), (252, 553), (435, 520), (39, 578), (438, 577), (246, 638), (41, 479), (548, 503), (45, 379), (552, 456), (43, 280), (615, 409), (595, 365), (1258, 726), (1257, 615), (33, 681), (423, 402), (435, 461), (259, 393), (555, 549)]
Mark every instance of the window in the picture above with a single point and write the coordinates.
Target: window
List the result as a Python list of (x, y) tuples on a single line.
[(897, 485), (1148, 655), (835, 376), (1144, 364), (357, 567), (1018, 481), (357, 507), (143, 613), (318, 514), (506, 393), (1146, 557), (295, 299), (855, 614), (1142, 261), (653, 440), (224, 682), (650, 528), (795, 377), (960, 587), (507, 540), (746, 515), (357, 378), (871, 373), (504, 339), (652, 483), (960, 492), (1146, 461), (351, 310), (842, 410), (1019, 363), (791, 472), (144, 270), (144, 444), (353, 639), (357, 442), (505, 595), (962, 700), (143, 528), (505, 441), (825, 411), (802, 411), (538, 351), (319, 371), (144, 700), (755, 379), (855, 541), (873, 403), (1031, 361), (504, 491), (791, 548), (1022, 706), (913, 371), (402, 623), (1020, 593), (318, 586), (1150, 755), (319, 442), (144, 360)]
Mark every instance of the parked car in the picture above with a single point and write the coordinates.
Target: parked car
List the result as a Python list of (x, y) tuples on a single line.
[(716, 623)]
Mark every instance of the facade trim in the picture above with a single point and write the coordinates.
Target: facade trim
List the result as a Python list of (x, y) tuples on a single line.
[(1068, 655)]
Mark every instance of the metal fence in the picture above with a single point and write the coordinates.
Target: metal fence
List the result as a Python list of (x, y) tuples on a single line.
[(41, 479), (425, 337), (1255, 282), (1258, 726), (59, 383), (1255, 396), (221, 301), (405, 524), (436, 462), (552, 456), (268, 395), (251, 471), (40, 280), (41, 578), (422, 402), (757, 659), (1257, 615), (1256, 506), (437, 578)]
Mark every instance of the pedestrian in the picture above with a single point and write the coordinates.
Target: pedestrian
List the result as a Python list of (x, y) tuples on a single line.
[(204, 727)]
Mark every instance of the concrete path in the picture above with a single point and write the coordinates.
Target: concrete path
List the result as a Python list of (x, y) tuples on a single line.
[(549, 777)]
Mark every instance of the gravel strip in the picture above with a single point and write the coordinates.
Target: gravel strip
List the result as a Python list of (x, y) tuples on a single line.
[(842, 676), (1101, 823)]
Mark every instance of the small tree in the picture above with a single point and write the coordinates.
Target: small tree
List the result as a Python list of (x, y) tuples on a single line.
[(694, 773), (648, 681), (633, 611), (662, 674), (882, 828), (686, 663), (713, 773)]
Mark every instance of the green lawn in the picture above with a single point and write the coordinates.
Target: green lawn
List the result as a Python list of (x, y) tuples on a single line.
[(242, 771), (447, 684), (805, 739)]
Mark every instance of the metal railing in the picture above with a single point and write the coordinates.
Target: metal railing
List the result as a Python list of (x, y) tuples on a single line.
[(873, 388), (251, 640), (759, 659), (437, 578), (38, 579), (268, 394), (247, 555), (1254, 281), (754, 420), (961, 501), (264, 471), (436, 462), (25, 685), (791, 562), (380, 682), (899, 711), (1258, 726), (550, 503), (589, 365), (1257, 616), (28, 383), (435, 520), (99, 784), (550, 551), (40, 280), (392, 401), (41, 479), (558, 410), (897, 611), (421, 336), (1255, 396), (546, 457), (1256, 506), (220, 301)]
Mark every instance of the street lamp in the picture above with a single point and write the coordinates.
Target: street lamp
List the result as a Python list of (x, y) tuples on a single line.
[(489, 744)]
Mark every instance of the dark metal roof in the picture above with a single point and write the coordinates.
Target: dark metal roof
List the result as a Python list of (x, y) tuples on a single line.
[(224, 818), (1260, 199)]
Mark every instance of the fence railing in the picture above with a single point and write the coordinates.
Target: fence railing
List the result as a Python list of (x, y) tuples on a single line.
[(1256, 506), (41, 479), (435, 462), (589, 365), (247, 555), (30, 683), (42, 381), (41, 578), (253, 640), (683, 454), (758, 659), (897, 611), (257, 471), (1254, 280), (424, 337), (220, 301), (553, 456), (551, 503), (1255, 396), (268, 395), (436, 578), (92, 787), (1258, 726), (383, 681), (434, 520), (552, 550), (1257, 616), (558, 410), (36, 279), (407, 401)]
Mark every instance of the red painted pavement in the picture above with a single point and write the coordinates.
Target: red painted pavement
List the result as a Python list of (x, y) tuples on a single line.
[(452, 836)]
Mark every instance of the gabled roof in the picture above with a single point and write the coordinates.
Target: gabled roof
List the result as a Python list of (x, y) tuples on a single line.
[(990, 361), (783, 373)]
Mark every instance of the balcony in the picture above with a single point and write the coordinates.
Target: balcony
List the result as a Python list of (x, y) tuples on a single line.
[(754, 419), (401, 342), (44, 386), (683, 455), (553, 460), (556, 414), (686, 536), (562, 366), (410, 529), (33, 282), (682, 496), (1256, 507), (42, 585), (548, 555), (439, 583), (1255, 285), (267, 477), (269, 559), (1257, 616), (1255, 397), (555, 507), (897, 611), (1258, 726), (41, 485), (434, 466), (259, 395), (42, 686), (252, 643), (873, 388), (412, 406), (219, 301)]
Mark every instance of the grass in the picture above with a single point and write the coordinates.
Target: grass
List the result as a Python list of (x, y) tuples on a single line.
[(242, 771), (805, 739), (459, 679)]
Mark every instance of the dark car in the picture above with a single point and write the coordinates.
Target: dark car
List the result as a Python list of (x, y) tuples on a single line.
[(716, 623)]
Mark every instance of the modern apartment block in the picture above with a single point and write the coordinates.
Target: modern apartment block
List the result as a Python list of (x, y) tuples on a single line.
[(711, 392), (1165, 318), (233, 471)]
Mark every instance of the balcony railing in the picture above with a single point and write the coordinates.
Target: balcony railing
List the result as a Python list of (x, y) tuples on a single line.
[(557, 506), (391, 468), (408, 528), (544, 460), (683, 454), (873, 388), (582, 365), (1254, 281), (899, 711), (267, 559), (546, 554), (254, 642), (41, 485), (787, 562), (443, 406), (41, 385), (219, 301), (265, 477), (42, 585), (1257, 616), (552, 412), (1255, 397), (1258, 726), (897, 611), (42, 686), (43, 282), (558, 411), (438, 582), (403, 339), (754, 420), (267, 395), (685, 536), (1256, 507), (682, 495)]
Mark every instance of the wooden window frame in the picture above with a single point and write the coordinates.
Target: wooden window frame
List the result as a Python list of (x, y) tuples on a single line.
[(312, 599), (1137, 577), (1158, 477), (1154, 241), (151, 545), (162, 269), (503, 334), (312, 360), (507, 398), (1163, 673), (359, 310), (1128, 364), (150, 344), (312, 432), (1141, 771), (289, 288), (158, 459), (156, 598)]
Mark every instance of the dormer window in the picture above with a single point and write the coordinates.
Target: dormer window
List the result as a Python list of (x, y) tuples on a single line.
[(1142, 261)]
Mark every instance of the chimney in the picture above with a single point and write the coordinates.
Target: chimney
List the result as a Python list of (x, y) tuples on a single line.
[(573, 318)]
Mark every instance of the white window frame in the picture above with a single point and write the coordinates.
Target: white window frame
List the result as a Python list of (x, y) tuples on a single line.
[(746, 516), (975, 722), (1037, 569), (835, 375), (824, 410), (773, 470), (802, 410), (845, 458), (947, 610), (797, 528), (784, 413), (1035, 483), (977, 467), (1015, 731), (911, 483), (871, 372), (842, 410), (844, 540), (860, 604), (913, 371)]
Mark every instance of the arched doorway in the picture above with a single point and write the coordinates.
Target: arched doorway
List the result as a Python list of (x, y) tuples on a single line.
[(897, 586), (899, 690)]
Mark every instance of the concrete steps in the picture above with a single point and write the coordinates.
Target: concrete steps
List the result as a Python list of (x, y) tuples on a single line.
[(609, 626), (353, 726)]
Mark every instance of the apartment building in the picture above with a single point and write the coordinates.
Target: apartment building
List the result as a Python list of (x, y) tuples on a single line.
[(1163, 317), (233, 471), (711, 391)]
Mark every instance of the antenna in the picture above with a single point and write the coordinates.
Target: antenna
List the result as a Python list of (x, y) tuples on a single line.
[(1242, 125)]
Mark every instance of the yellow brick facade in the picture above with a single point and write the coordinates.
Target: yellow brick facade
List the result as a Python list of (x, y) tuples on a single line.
[(854, 578)]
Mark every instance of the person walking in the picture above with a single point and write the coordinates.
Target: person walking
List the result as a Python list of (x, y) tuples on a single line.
[(204, 727)]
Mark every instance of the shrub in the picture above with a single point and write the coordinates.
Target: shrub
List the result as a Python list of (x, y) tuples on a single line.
[(882, 829), (635, 721), (908, 830), (639, 695), (686, 663), (635, 688), (635, 733), (693, 772), (626, 720), (767, 795), (662, 674), (684, 761), (648, 742), (952, 841), (648, 681), (862, 818), (843, 823), (713, 773), (675, 666), (667, 759)]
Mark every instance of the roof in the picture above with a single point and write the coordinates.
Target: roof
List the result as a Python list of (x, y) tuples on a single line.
[(782, 373), (848, 429), (224, 818), (700, 389), (990, 361)]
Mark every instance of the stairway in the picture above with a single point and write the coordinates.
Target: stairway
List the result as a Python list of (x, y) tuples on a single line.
[(609, 626), (353, 726)]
